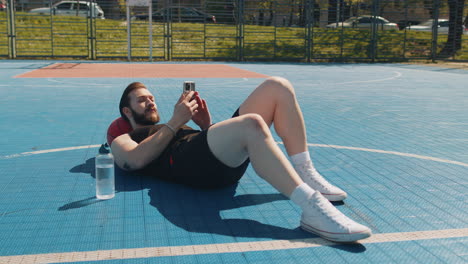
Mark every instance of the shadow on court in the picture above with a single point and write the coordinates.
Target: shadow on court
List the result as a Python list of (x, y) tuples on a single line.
[(200, 210)]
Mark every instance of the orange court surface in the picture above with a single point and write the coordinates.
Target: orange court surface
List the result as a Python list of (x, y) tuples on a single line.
[(116, 70)]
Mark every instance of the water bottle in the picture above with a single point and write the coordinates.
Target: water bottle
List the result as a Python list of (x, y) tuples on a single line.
[(105, 179)]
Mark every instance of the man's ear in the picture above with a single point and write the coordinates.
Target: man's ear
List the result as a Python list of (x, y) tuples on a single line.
[(127, 112)]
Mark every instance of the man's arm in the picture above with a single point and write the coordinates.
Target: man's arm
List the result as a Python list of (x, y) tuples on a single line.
[(130, 155)]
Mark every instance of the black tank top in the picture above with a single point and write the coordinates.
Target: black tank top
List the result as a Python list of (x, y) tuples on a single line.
[(160, 167)]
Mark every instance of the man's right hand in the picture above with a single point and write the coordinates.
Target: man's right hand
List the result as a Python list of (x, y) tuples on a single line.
[(184, 109)]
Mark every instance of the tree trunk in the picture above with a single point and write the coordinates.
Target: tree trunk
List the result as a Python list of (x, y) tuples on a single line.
[(302, 14), (454, 39), (332, 11), (272, 14), (291, 12)]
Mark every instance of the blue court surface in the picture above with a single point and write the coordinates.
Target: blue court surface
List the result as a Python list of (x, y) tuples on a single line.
[(394, 136)]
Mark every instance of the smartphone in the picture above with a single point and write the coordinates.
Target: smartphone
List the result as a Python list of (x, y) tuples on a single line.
[(188, 86)]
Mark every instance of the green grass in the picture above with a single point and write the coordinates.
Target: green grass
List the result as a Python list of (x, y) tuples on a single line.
[(60, 36)]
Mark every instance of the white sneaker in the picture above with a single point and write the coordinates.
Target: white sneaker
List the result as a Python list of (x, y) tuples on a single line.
[(316, 181), (320, 217)]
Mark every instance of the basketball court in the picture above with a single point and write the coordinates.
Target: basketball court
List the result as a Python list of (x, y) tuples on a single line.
[(394, 136)]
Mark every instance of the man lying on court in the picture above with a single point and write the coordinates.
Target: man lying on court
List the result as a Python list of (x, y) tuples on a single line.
[(218, 154)]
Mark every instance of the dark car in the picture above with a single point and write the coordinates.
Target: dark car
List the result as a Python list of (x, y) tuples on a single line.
[(402, 24), (178, 14)]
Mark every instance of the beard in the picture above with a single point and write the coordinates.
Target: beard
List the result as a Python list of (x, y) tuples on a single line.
[(145, 119)]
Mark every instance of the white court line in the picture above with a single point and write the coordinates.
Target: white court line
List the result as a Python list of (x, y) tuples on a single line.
[(396, 76), (153, 252), (52, 86), (23, 154), (387, 152), (60, 81)]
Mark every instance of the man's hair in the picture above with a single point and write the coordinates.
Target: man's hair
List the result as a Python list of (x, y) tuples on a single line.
[(125, 99)]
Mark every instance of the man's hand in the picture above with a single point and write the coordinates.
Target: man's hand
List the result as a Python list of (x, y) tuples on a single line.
[(184, 110), (202, 116)]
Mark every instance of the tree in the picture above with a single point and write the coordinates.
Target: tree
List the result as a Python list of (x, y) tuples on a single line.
[(454, 39)]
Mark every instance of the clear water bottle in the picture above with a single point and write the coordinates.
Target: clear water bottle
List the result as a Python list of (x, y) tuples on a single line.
[(105, 178)]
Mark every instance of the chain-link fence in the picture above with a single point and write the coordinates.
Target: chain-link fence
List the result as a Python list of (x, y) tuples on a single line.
[(281, 30)]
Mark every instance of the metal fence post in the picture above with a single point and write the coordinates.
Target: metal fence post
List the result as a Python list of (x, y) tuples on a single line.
[(92, 34), (405, 35), (168, 40), (167, 19), (309, 8), (373, 44), (52, 44), (129, 33), (150, 29), (435, 30), (275, 28), (11, 29), (240, 30)]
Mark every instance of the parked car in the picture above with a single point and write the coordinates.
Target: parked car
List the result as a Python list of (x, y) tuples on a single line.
[(72, 8), (365, 22), (442, 26), (178, 14), (2, 6)]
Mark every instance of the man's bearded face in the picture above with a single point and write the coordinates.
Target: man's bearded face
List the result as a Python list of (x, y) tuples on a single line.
[(149, 117), (143, 107)]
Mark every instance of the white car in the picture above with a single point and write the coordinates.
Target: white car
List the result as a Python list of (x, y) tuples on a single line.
[(442, 26), (71, 8), (365, 22)]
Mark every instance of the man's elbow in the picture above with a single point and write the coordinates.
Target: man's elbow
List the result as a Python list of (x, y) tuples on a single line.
[(130, 165), (125, 157)]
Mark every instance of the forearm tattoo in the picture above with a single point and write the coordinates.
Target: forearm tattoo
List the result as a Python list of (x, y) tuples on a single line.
[(126, 166)]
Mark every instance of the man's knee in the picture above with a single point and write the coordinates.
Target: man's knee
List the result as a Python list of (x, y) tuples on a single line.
[(281, 84), (255, 123)]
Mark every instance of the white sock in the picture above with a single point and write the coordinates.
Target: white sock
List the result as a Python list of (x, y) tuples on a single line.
[(302, 163), (300, 158), (302, 194)]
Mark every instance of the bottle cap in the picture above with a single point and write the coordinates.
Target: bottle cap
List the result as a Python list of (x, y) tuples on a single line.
[(104, 149)]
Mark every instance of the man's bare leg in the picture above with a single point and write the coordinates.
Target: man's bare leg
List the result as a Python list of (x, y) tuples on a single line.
[(275, 101), (248, 136)]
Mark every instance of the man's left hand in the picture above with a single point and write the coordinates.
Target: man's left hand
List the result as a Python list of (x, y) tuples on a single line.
[(202, 118)]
